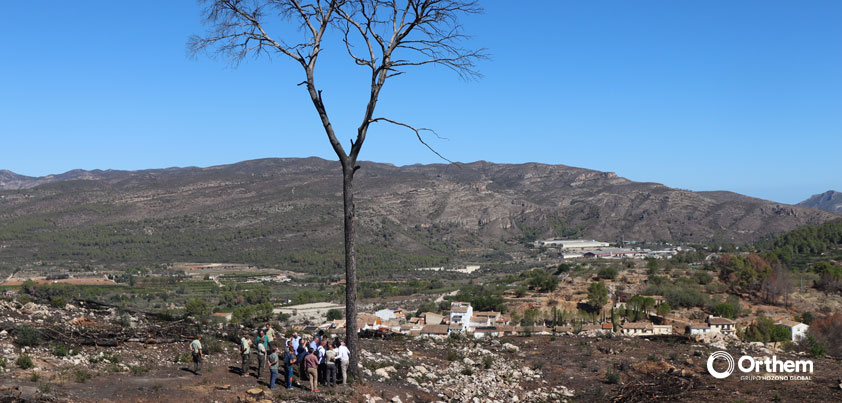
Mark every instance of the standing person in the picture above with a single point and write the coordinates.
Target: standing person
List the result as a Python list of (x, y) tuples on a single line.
[(330, 365), (273, 367), (301, 353), (261, 339), (245, 350), (311, 362), (261, 358), (270, 336), (296, 339), (196, 351), (344, 355), (322, 367), (289, 359)]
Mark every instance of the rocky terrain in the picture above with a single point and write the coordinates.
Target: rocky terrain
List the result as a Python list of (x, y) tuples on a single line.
[(828, 201), (559, 368), (273, 209)]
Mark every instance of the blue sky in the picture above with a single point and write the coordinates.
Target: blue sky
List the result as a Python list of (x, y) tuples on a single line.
[(716, 95)]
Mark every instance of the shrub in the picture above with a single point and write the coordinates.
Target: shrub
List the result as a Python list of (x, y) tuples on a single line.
[(3, 362), (612, 377), (487, 362), (827, 331), (334, 314), (138, 370), (653, 358), (27, 336), (60, 350), (57, 302), (24, 362), (467, 371), (82, 375), (452, 355), (608, 273)]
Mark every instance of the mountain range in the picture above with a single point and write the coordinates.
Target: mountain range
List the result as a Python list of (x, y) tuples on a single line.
[(289, 211)]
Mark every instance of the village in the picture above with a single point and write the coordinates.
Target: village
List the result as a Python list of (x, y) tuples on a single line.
[(462, 320)]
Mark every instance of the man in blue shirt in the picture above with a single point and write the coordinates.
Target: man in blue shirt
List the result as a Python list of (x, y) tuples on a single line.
[(289, 359), (302, 352)]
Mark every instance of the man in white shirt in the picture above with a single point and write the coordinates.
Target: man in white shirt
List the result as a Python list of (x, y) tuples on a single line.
[(344, 356)]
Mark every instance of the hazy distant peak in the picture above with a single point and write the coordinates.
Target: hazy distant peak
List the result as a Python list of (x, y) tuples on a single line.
[(828, 201)]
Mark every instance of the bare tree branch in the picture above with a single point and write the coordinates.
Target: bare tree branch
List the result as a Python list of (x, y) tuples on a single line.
[(417, 134)]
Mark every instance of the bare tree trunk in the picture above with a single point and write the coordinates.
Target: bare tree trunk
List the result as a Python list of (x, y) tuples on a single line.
[(351, 336)]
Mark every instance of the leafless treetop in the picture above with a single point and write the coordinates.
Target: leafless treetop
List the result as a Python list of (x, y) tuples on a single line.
[(385, 36)]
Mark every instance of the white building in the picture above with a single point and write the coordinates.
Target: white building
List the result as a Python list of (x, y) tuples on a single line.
[(697, 328), (571, 243), (662, 329), (638, 329), (721, 325), (797, 330), (385, 314), (460, 314)]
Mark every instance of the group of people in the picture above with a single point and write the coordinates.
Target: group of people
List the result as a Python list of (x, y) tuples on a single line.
[(318, 361)]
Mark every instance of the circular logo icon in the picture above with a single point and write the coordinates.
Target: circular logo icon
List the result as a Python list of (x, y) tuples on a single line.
[(724, 374)]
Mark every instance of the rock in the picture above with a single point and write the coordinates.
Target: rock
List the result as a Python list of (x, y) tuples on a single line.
[(381, 372), (396, 399), (510, 347), (468, 361), (3, 334), (223, 387)]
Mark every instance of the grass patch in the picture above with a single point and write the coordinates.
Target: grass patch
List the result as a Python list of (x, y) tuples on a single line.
[(82, 375)]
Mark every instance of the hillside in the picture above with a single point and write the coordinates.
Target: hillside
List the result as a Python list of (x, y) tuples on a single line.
[(827, 201), (288, 212)]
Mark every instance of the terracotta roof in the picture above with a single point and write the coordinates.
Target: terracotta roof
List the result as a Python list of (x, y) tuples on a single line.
[(434, 329), (607, 326), (459, 309), (489, 313), (699, 325), (456, 326)]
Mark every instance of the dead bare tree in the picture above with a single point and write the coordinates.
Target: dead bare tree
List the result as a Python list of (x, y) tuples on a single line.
[(383, 36)]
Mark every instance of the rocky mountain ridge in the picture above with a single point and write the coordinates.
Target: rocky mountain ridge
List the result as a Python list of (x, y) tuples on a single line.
[(827, 201), (295, 205)]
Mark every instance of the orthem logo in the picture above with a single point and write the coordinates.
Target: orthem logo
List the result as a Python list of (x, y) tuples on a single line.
[(770, 366), (724, 374)]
